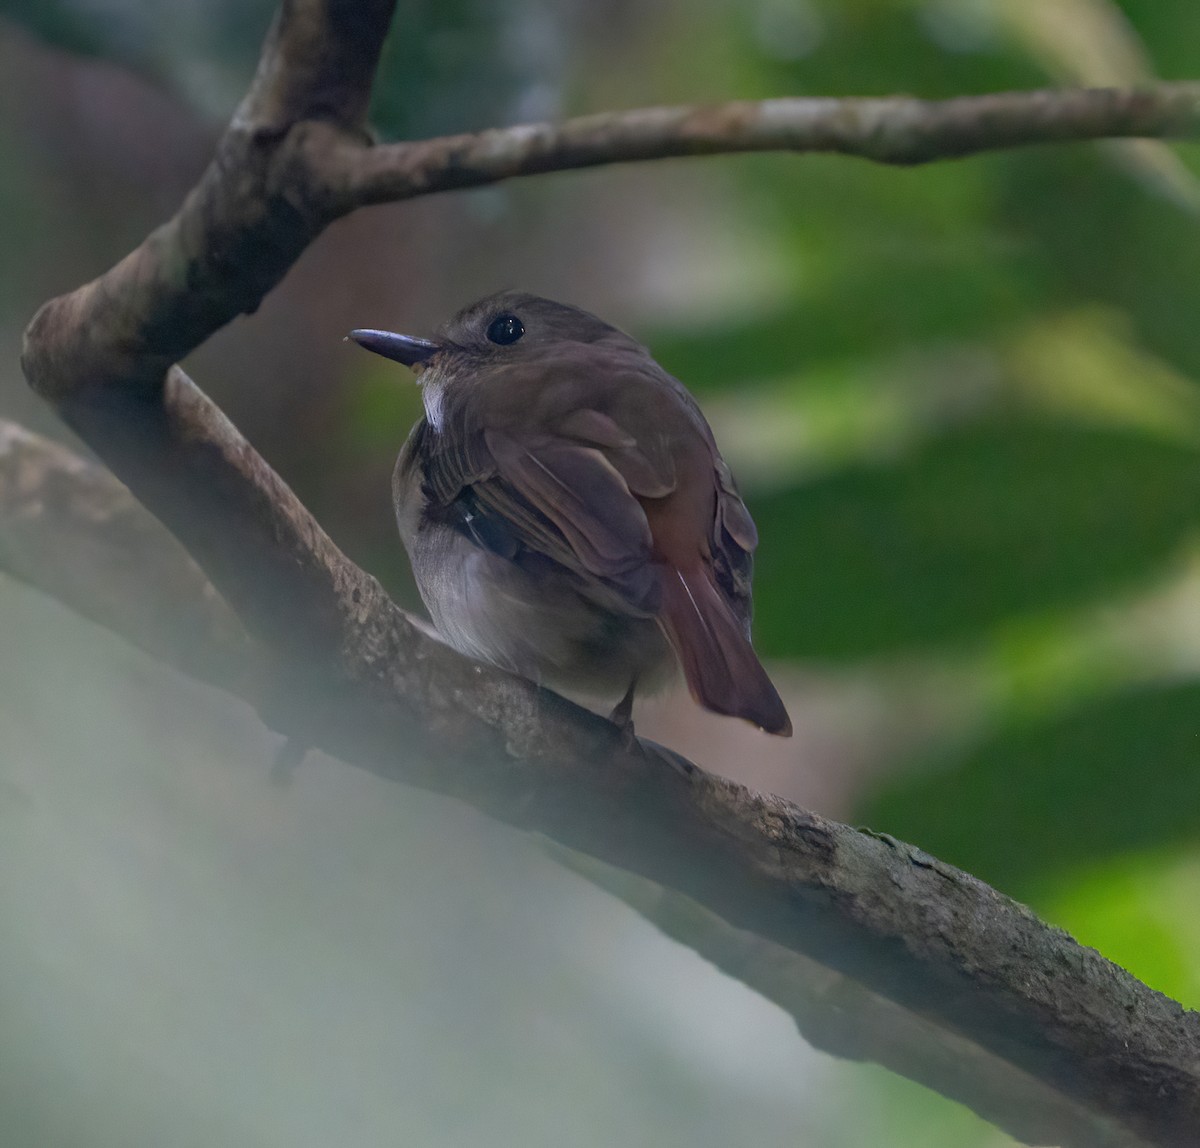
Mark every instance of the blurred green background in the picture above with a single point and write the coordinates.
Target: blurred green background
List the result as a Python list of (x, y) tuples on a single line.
[(963, 402)]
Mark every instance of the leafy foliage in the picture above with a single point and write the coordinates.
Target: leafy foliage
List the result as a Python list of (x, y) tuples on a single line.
[(965, 532), (1112, 776)]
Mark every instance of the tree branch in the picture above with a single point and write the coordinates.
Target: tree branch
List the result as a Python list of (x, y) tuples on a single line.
[(797, 904), (318, 63), (353, 674), (294, 159), (69, 528), (897, 130), (839, 1015)]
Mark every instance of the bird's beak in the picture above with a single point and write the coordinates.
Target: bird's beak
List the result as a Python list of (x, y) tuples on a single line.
[(402, 348)]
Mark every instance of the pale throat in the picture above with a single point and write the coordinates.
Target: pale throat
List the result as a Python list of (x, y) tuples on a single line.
[(433, 395)]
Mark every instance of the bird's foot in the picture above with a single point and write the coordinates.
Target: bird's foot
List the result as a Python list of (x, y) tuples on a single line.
[(622, 716)]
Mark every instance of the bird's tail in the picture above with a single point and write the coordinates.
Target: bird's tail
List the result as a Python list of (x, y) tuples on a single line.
[(723, 672)]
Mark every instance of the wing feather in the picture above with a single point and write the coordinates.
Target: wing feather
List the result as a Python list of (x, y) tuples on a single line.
[(584, 495)]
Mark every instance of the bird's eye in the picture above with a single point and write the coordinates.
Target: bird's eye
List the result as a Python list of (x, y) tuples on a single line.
[(505, 329)]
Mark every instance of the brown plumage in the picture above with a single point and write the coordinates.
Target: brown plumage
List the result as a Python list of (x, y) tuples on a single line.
[(568, 514)]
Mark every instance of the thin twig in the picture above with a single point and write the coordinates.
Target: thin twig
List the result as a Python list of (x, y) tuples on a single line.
[(896, 130)]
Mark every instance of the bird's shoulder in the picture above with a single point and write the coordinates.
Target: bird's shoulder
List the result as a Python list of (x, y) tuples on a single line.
[(609, 400)]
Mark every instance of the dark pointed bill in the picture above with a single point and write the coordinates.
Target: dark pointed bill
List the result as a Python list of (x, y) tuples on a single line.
[(402, 348)]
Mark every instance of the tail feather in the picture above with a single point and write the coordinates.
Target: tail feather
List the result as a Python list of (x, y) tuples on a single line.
[(723, 672)]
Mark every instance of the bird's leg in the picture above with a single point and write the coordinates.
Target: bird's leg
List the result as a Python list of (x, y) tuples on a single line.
[(622, 714)]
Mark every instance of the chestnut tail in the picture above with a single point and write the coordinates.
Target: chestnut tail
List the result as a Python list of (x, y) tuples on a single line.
[(723, 672)]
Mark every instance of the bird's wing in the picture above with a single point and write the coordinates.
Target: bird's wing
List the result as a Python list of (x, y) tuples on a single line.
[(567, 489), (734, 540), (602, 527)]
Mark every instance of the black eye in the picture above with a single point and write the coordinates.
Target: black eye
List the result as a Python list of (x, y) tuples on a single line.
[(505, 329)]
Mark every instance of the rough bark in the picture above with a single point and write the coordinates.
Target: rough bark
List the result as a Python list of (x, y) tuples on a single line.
[(69, 528), (338, 665)]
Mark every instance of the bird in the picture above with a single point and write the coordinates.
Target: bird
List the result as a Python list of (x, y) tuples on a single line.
[(567, 513)]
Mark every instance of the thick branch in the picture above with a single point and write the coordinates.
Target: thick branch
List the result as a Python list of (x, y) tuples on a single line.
[(929, 938), (71, 529), (898, 130), (936, 942), (318, 64), (841, 1016)]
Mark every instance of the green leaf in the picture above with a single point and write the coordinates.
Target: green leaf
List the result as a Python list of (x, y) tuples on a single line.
[(1139, 911), (1099, 237), (971, 529), (1116, 775)]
